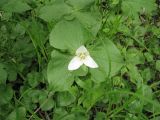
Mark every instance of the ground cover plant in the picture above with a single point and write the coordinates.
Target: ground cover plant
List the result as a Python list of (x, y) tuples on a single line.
[(79, 60)]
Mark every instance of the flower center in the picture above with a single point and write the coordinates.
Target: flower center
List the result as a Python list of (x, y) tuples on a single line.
[(82, 55)]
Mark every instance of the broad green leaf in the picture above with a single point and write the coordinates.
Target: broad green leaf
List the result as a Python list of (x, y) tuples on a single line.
[(34, 78), (59, 9), (59, 113), (59, 77), (82, 71), (2, 2), (47, 104), (37, 33), (133, 7), (54, 11), (17, 114), (30, 97), (98, 75), (75, 114), (87, 84), (146, 91), (147, 74), (134, 57), (17, 6), (65, 98), (12, 72), (152, 107), (34, 94), (131, 116), (135, 106), (80, 4), (3, 74), (134, 74), (158, 65), (108, 58), (148, 56), (6, 93), (90, 20), (100, 116), (69, 35)]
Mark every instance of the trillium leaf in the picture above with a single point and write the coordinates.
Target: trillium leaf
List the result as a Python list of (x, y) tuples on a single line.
[(80, 4), (69, 9), (69, 35), (108, 58), (98, 75), (54, 11), (59, 78), (92, 21), (17, 6)]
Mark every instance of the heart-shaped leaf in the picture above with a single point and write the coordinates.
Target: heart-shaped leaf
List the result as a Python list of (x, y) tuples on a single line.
[(69, 35), (59, 78), (108, 58)]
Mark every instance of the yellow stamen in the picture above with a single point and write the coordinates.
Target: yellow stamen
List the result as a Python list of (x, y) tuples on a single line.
[(82, 56)]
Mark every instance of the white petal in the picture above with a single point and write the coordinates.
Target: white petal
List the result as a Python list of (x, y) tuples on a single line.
[(90, 62), (75, 63), (81, 49)]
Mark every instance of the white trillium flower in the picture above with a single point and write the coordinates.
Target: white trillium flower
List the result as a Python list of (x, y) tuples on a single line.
[(82, 57)]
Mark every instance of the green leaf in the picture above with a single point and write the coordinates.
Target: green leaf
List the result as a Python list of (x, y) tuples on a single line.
[(59, 77), (69, 35), (109, 59), (65, 98), (116, 97), (87, 84), (80, 4), (146, 74), (3, 74), (6, 93), (135, 106), (158, 65), (134, 57), (134, 74), (82, 71), (2, 2), (17, 114), (98, 75), (132, 7), (100, 116), (47, 104), (91, 96), (148, 56), (146, 91), (59, 113), (12, 73), (17, 6), (75, 114), (55, 11), (90, 20), (152, 107), (34, 78)]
